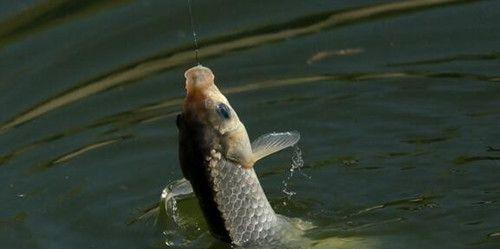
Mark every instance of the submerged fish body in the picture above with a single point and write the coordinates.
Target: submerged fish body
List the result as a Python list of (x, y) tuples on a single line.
[(217, 158)]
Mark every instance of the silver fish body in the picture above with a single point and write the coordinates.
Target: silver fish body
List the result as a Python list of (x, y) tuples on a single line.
[(217, 158), (247, 214), (232, 200)]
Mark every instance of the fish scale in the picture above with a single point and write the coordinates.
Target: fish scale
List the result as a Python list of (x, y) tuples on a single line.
[(247, 214)]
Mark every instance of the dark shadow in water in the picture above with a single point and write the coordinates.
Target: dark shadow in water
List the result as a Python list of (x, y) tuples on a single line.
[(463, 76), (462, 57), (426, 140), (392, 155), (75, 153), (221, 45), (47, 14), (468, 159), (492, 149)]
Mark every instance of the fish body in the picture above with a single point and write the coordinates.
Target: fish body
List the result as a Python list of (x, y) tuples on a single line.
[(217, 158)]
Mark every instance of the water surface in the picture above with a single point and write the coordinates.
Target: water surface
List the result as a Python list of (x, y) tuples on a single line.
[(398, 104)]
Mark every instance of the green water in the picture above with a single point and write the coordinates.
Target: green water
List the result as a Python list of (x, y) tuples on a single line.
[(398, 104)]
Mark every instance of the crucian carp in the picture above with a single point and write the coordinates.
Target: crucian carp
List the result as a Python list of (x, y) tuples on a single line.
[(217, 158)]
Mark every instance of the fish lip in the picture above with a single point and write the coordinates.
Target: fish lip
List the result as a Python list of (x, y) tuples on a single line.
[(198, 74)]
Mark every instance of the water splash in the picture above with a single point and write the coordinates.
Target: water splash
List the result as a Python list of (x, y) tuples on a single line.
[(296, 166), (174, 191)]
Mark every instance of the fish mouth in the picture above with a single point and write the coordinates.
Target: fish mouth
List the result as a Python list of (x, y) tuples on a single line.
[(198, 77)]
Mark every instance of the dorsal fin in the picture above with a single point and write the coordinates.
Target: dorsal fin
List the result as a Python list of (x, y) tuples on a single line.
[(273, 142)]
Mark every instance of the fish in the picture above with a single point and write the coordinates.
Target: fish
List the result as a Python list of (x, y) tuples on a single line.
[(217, 159)]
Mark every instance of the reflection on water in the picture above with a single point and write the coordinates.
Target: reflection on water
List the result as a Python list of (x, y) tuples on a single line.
[(218, 46), (45, 14), (75, 153), (154, 112), (397, 103)]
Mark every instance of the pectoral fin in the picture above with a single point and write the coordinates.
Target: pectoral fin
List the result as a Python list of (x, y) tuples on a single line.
[(270, 143)]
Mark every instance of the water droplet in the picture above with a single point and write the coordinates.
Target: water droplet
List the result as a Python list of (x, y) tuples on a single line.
[(297, 165)]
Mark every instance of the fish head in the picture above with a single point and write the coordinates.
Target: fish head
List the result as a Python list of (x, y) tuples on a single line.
[(207, 106)]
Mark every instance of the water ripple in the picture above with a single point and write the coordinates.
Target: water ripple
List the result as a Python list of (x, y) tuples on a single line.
[(217, 47), (47, 14), (156, 111), (75, 153)]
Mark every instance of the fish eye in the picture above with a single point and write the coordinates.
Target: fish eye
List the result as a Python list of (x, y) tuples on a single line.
[(223, 111)]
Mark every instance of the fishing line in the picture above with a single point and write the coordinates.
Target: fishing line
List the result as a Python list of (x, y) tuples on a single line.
[(193, 29)]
